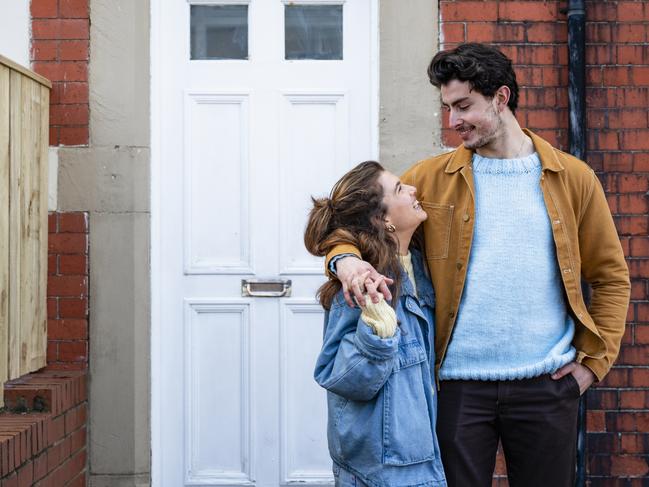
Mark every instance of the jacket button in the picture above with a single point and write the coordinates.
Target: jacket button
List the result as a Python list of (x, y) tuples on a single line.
[(451, 314), (567, 271), (459, 265), (466, 217), (556, 222)]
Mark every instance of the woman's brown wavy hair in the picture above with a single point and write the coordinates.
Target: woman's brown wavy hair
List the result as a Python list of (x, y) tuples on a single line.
[(354, 213)]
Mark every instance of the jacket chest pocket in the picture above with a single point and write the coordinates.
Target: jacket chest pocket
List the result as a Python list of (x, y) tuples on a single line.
[(408, 434), (437, 229)]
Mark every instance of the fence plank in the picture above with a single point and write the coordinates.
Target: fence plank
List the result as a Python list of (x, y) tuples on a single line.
[(39, 335), (4, 227), (15, 219)]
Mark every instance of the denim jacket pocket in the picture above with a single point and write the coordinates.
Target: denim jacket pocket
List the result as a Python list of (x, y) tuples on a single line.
[(408, 435)]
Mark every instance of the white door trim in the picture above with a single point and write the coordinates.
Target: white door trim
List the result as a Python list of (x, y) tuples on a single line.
[(157, 267)]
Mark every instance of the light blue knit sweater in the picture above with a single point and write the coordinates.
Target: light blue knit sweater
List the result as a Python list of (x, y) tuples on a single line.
[(513, 321)]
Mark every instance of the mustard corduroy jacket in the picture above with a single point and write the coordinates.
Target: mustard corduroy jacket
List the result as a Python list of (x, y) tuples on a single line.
[(584, 234)]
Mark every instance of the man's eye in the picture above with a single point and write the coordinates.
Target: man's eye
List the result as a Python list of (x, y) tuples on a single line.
[(463, 107)]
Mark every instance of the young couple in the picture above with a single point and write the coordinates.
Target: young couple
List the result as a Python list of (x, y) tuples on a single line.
[(454, 311)]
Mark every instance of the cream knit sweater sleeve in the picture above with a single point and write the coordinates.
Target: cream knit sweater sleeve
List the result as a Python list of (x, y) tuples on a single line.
[(380, 317)]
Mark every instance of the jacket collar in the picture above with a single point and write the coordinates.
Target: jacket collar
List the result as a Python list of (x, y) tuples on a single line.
[(462, 156)]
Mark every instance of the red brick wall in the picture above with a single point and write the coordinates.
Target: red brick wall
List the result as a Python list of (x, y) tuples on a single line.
[(43, 430), (534, 35), (60, 45), (67, 291)]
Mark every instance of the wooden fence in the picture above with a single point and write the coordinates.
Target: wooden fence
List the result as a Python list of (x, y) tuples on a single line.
[(24, 141)]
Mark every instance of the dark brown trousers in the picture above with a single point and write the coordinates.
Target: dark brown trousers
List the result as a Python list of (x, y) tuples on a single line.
[(534, 419)]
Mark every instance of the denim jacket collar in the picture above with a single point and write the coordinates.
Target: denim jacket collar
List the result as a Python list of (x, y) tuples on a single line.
[(425, 292)]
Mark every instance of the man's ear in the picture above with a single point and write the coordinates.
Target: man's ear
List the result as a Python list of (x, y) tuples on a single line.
[(502, 97)]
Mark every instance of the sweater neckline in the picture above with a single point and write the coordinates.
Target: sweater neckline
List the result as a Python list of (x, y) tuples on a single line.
[(522, 165)]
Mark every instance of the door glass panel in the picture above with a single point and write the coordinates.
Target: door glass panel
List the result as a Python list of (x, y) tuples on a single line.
[(219, 32), (313, 31)]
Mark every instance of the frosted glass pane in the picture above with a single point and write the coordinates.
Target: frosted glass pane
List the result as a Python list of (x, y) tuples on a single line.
[(313, 31), (219, 32)]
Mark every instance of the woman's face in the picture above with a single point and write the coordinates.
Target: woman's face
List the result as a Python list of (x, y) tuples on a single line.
[(403, 209)]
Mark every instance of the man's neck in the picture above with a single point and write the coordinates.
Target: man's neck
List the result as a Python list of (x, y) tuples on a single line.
[(511, 143)]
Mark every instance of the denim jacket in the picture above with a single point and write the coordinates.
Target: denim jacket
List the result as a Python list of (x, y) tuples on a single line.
[(382, 402)]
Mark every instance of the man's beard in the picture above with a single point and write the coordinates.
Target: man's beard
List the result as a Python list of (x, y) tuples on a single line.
[(489, 136)]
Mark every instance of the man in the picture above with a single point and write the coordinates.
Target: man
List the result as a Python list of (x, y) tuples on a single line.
[(513, 225)]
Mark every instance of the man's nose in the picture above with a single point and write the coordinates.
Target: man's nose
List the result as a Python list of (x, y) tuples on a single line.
[(454, 120)]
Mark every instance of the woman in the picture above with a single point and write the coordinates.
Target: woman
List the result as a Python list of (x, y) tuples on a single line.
[(377, 363)]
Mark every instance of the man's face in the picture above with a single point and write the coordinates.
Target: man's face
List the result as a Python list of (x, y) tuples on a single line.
[(471, 114)]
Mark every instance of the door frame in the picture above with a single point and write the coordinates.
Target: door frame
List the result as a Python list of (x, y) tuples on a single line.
[(157, 266)]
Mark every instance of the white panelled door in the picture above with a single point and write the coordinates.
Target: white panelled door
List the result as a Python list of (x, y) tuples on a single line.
[(262, 103)]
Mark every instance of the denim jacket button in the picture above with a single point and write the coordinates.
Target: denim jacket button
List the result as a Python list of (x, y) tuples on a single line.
[(466, 217), (459, 265)]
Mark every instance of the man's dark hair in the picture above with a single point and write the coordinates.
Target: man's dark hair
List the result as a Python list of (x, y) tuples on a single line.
[(484, 67)]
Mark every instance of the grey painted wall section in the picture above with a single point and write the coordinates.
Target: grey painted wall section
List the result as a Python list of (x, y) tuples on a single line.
[(409, 114), (110, 179)]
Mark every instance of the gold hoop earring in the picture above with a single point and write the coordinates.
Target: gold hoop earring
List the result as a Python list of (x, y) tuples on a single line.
[(390, 228)]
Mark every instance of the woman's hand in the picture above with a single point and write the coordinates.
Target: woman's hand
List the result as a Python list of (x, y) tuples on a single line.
[(356, 276)]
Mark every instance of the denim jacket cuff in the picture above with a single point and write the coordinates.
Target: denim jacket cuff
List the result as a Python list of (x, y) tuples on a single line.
[(374, 347)]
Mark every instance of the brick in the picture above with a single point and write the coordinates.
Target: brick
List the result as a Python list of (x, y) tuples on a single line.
[(74, 136), (45, 50), (73, 222), (52, 264), (54, 136), (640, 75), (641, 162), (78, 439), (527, 11), (67, 329), (634, 443), (73, 308), (628, 183), (68, 286), (596, 421), (547, 32), (601, 11), (26, 475), (453, 32), (616, 75), (634, 140), (468, 11), (634, 204), (629, 11), (481, 31), (629, 33), (69, 93), (63, 70), (627, 119), (73, 351), (74, 50), (634, 399), (639, 377), (74, 8), (628, 466), (52, 353), (68, 243), (40, 466), (52, 222), (44, 9), (69, 114), (60, 29), (73, 264), (632, 54), (634, 355), (52, 308)]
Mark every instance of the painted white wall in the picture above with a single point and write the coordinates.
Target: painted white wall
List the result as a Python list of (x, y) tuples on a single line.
[(15, 30)]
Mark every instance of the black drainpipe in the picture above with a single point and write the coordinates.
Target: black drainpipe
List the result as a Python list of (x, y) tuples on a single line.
[(577, 140)]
